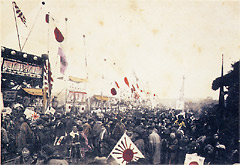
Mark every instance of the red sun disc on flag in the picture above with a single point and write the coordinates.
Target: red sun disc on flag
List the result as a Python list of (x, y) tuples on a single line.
[(35, 116), (193, 163), (128, 155)]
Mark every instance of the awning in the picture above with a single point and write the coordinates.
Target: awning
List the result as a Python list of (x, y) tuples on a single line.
[(33, 91), (77, 92), (77, 80), (101, 98)]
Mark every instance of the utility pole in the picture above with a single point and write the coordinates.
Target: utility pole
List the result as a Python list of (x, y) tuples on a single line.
[(182, 91), (221, 92), (180, 102)]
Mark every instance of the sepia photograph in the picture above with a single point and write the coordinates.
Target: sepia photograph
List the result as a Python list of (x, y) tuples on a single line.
[(120, 82)]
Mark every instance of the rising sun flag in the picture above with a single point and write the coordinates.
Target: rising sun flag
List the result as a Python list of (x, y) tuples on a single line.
[(35, 116), (125, 151), (194, 159)]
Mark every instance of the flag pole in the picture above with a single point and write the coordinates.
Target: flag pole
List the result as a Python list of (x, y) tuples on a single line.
[(48, 34), (66, 19), (17, 28), (109, 156), (85, 52), (44, 99), (221, 91), (49, 99), (32, 27), (44, 90)]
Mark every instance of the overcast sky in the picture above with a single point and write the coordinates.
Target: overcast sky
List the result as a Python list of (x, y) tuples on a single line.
[(159, 41)]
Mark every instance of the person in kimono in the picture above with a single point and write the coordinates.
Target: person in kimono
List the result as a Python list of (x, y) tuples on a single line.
[(84, 146)]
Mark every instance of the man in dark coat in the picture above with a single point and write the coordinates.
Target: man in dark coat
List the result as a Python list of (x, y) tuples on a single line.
[(24, 136)]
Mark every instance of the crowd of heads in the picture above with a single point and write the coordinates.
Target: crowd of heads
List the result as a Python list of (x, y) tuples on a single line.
[(180, 133)]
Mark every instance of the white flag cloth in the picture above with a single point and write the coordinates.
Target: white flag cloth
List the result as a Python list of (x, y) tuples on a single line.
[(63, 60), (30, 114), (193, 159), (58, 141), (125, 151)]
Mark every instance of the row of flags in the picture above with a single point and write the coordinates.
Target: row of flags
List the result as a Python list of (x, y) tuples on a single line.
[(60, 38), (63, 60), (134, 90)]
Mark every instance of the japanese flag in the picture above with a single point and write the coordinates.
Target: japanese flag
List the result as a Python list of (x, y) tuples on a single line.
[(125, 151), (193, 159)]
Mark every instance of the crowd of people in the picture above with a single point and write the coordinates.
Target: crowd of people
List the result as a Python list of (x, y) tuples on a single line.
[(163, 136)]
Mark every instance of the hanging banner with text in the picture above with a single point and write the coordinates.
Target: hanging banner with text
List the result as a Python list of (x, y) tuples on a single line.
[(22, 69), (76, 97)]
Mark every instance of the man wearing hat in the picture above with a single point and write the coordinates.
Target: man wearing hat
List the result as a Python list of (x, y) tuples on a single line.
[(17, 110)]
